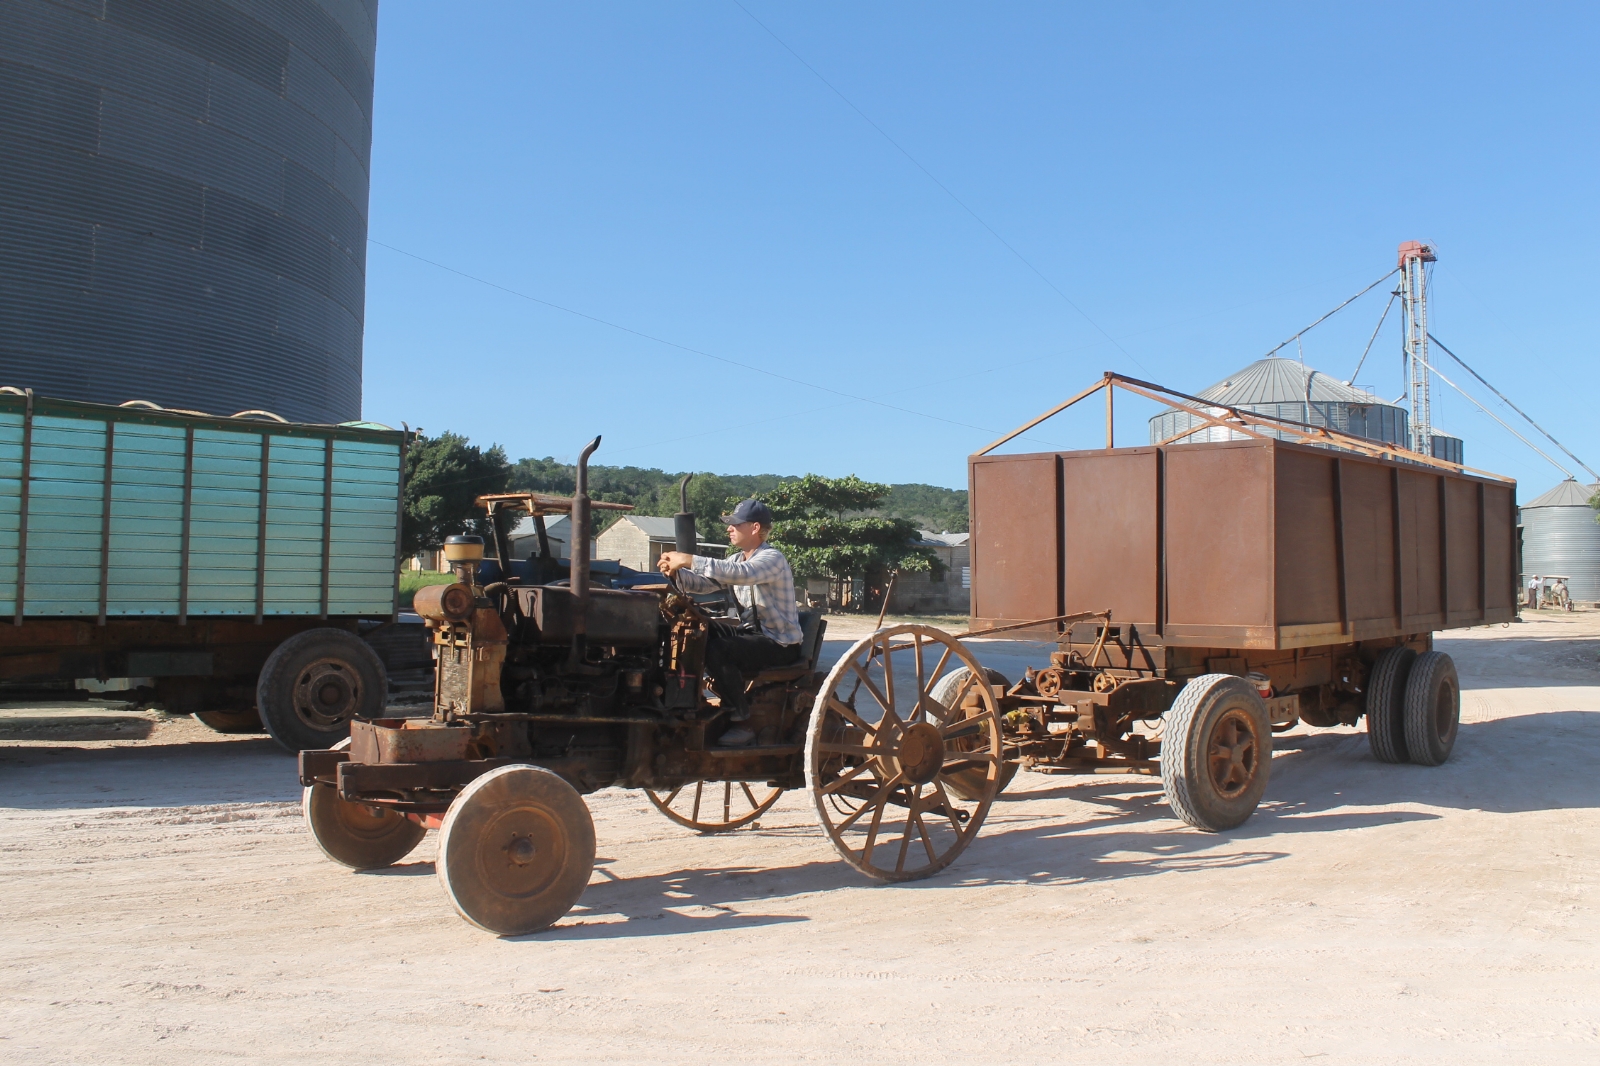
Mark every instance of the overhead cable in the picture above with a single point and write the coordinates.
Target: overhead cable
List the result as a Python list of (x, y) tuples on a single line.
[(942, 186), (1374, 336), (685, 347), (1497, 418), (1330, 314), (1513, 406)]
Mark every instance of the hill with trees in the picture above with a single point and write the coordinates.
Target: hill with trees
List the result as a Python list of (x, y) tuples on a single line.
[(444, 474)]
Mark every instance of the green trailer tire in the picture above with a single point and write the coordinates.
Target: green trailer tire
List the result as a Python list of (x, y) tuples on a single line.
[(314, 683)]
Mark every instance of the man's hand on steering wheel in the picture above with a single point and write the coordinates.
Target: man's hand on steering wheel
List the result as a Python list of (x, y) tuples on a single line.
[(672, 562)]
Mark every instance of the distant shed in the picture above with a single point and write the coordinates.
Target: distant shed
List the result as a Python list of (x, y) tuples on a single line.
[(637, 541)]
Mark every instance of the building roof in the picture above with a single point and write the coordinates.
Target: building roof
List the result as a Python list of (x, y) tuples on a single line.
[(653, 526), (1567, 494), (948, 540), (1284, 381), (553, 527)]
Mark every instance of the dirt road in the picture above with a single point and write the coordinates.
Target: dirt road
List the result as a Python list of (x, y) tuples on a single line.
[(163, 904)]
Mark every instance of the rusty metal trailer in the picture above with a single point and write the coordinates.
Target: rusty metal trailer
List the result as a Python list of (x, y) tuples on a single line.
[(1201, 596), (1220, 591)]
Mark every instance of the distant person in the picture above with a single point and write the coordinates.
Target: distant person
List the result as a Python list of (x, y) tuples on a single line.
[(1533, 590), (763, 584)]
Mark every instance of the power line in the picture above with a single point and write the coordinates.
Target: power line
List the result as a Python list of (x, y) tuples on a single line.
[(1515, 408), (1496, 417), (1374, 336), (942, 186), (1330, 314), (682, 347)]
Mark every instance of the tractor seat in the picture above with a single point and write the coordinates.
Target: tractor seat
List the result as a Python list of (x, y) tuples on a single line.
[(812, 626)]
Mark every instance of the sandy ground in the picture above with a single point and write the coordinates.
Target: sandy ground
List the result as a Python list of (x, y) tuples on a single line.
[(163, 903)]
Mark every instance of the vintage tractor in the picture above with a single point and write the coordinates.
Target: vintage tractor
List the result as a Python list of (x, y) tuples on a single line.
[(1201, 596), (549, 688)]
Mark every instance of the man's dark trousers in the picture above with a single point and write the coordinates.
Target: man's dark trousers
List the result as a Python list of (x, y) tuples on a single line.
[(732, 656)]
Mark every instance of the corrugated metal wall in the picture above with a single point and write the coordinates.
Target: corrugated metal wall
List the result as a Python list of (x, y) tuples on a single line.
[(1564, 541), (1372, 421), (246, 555), (183, 201)]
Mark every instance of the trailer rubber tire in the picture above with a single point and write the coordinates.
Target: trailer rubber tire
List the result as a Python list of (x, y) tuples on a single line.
[(516, 850), (1386, 700), (314, 683), (969, 784), (1216, 752), (1432, 709), (355, 834), (245, 721)]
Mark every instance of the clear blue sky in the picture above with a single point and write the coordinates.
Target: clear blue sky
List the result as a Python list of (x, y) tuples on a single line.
[(1197, 181)]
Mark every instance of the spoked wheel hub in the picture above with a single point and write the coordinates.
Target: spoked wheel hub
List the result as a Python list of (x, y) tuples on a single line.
[(919, 756)]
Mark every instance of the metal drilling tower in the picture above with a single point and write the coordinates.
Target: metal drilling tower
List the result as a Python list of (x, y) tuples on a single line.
[(1414, 296)]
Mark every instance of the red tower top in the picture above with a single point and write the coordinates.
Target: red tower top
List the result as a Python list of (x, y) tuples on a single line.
[(1416, 250)]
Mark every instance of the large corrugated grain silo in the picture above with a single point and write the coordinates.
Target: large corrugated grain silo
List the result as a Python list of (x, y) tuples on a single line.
[(1560, 537), (1288, 389), (183, 201)]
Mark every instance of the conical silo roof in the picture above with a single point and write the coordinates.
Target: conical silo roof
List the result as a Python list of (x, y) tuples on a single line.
[(1567, 494), (1287, 389), (1282, 381)]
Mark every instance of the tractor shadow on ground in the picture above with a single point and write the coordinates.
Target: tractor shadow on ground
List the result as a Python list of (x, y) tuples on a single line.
[(689, 901)]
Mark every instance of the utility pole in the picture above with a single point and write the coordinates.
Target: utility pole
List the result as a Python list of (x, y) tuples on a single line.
[(1414, 308)]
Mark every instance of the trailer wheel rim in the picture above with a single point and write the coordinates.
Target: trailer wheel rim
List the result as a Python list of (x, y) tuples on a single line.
[(1233, 753), (327, 694), (1445, 713)]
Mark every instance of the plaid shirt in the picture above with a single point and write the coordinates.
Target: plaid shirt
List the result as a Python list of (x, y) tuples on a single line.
[(763, 580)]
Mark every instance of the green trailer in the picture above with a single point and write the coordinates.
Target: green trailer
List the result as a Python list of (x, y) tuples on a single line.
[(228, 561)]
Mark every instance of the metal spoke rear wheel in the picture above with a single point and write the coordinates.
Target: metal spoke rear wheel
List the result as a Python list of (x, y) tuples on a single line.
[(715, 806), (881, 753)]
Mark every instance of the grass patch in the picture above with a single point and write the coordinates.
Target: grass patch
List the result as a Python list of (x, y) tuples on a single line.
[(413, 580)]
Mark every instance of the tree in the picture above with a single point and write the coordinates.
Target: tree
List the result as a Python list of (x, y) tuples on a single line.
[(814, 527), (929, 506), (444, 475)]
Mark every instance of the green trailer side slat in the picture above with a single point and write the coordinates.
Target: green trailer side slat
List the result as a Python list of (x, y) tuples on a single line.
[(189, 489)]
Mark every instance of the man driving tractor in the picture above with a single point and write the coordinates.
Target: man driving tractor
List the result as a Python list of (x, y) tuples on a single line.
[(768, 633)]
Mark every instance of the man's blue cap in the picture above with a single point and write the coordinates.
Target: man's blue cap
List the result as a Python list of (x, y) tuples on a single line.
[(749, 511)]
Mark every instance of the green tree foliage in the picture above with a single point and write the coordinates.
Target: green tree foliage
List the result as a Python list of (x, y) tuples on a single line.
[(652, 491), (444, 475), (931, 507), (814, 527), (649, 490)]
